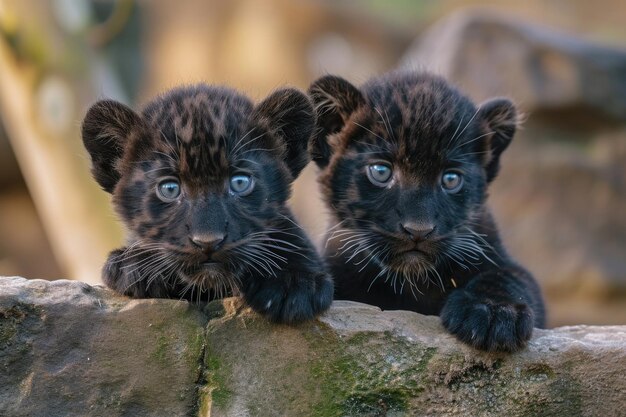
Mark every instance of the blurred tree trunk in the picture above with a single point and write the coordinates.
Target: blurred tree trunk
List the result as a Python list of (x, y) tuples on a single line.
[(75, 214)]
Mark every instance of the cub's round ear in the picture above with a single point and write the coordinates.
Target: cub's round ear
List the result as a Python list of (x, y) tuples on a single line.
[(498, 118), (335, 100), (105, 129), (288, 116)]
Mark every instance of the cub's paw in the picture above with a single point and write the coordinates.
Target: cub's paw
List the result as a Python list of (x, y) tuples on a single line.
[(113, 274), (485, 324), (117, 275), (303, 299)]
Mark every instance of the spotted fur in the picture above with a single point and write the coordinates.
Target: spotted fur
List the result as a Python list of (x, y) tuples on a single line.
[(412, 244), (210, 242)]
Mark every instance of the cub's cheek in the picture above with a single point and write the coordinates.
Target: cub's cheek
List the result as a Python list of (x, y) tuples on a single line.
[(132, 201)]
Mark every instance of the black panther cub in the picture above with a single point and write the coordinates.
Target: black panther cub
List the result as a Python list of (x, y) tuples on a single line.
[(405, 164), (201, 178)]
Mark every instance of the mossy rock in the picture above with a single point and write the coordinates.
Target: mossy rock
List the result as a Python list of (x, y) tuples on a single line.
[(358, 361), (69, 349)]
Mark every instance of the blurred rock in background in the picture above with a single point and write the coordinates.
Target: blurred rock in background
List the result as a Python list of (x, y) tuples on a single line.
[(561, 195), (559, 198)]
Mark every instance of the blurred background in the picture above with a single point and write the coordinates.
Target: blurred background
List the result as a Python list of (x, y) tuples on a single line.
[(560, 199)]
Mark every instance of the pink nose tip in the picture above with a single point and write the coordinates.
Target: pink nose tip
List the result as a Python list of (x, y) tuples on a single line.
[(418, 231), (209, 242)]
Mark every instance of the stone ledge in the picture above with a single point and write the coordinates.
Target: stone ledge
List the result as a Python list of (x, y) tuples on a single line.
[(70, 349)]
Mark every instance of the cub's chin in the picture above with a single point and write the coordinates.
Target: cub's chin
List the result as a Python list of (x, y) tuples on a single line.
[(411, 264), (413, 258), (211, 276), (205, 271)]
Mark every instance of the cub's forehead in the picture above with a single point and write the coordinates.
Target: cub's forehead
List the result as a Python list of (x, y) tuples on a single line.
[(417, 117), (199, 115), (195, 130)]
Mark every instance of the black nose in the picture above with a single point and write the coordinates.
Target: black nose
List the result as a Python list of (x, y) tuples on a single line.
[(208, 242), (418, 231)]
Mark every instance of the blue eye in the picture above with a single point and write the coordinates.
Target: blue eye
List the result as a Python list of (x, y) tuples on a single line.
[(241, 184), (379, 174), (168, 190), (451, 181)]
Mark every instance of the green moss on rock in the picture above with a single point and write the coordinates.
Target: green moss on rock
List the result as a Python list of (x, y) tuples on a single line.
[(368, 373), (11, 319), (539, 371), (215, 390), (161, 349)]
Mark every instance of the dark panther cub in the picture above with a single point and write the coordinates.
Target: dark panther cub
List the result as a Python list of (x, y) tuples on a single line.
[(201, 178), (406, 161)]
